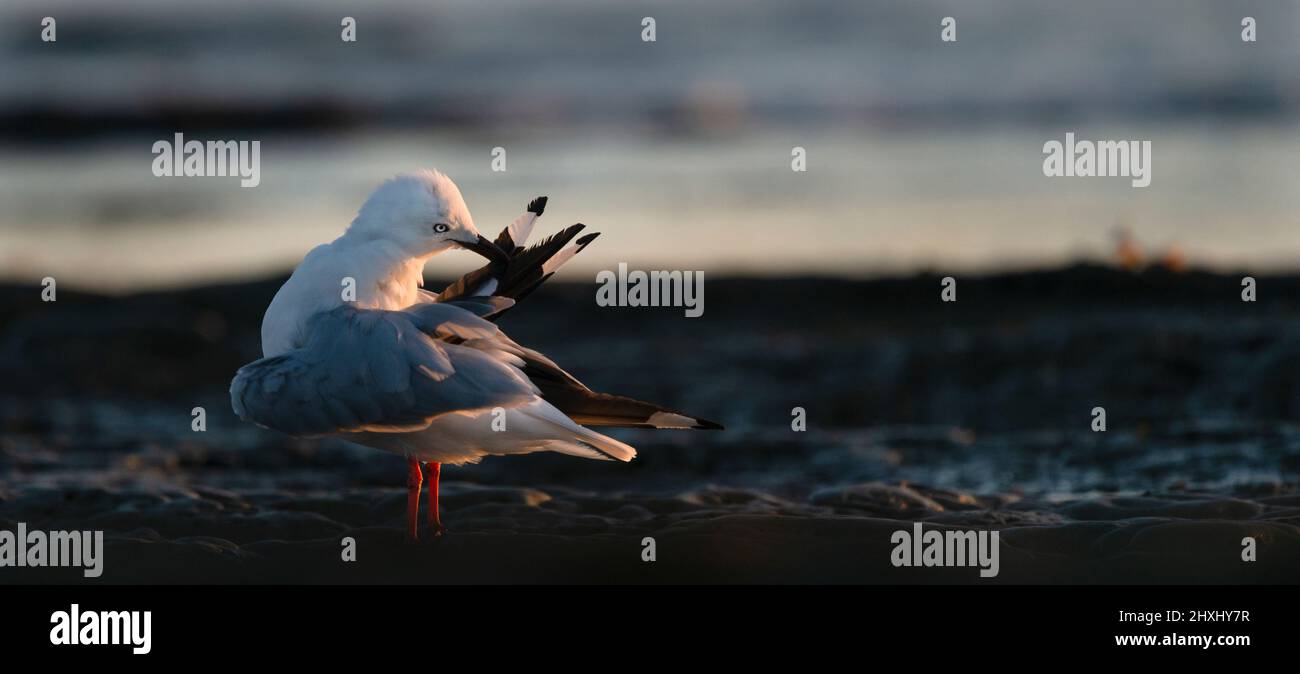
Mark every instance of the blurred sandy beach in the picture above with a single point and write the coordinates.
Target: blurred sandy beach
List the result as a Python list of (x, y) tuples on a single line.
[(974, 415)]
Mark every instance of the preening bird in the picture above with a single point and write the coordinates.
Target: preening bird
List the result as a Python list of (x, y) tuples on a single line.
[(354, 346)]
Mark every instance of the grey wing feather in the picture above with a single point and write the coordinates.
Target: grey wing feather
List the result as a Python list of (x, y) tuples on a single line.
[(374, 370)]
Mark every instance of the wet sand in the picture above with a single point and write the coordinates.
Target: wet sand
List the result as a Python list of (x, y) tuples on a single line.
[(972, 415)]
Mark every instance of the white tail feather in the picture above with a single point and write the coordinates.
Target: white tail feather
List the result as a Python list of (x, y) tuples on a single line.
[(606, 445)]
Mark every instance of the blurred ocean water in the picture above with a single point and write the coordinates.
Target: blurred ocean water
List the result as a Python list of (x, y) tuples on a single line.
[(920, 154), (869, 204), (576, 59)]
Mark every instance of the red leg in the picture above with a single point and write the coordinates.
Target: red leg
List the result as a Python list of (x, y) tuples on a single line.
[(413, 481), (435, 521)]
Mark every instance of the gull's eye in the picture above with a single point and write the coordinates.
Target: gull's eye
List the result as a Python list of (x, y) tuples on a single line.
[(440, 228)]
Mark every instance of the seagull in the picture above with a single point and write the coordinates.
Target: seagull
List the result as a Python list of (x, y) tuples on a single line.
[(353, 346)]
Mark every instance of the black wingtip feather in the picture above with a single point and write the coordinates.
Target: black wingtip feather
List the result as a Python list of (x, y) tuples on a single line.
[(584, 240), (706, 425), (536, 206)]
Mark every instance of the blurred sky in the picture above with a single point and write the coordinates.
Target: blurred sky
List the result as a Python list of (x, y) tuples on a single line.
[(920, 154)]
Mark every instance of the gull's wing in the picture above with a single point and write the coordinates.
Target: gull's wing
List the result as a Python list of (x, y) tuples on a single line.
[(384, 371), (486, 279), (592, 408), (527, 268)]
